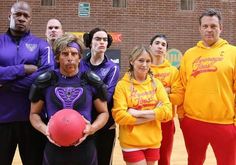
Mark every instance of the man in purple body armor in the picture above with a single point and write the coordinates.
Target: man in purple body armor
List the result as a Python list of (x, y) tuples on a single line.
[(67, 88)]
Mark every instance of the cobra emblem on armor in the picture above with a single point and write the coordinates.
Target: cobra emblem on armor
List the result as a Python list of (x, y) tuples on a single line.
[(68, 95)]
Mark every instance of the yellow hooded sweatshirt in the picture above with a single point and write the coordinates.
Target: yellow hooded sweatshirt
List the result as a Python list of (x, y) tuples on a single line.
[(169, 76), (208, 75), (143, 96)]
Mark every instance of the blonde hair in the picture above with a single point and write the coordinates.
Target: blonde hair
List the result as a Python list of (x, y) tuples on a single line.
[(63, 42), (135, 54)]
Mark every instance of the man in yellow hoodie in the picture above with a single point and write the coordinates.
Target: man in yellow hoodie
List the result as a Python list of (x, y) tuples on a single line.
[(169, 76), (208, 75)]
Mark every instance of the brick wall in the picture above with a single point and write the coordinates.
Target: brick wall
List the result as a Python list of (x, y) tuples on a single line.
[(137, 23)]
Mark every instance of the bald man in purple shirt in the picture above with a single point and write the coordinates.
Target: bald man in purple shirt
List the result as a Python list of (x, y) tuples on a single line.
[(22, 58)]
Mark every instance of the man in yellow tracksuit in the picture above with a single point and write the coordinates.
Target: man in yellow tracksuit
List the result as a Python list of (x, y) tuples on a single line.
[(208, 75), (169, 76)]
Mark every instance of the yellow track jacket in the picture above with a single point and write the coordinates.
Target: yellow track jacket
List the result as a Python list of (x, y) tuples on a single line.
[(208, 76), (144, 96)]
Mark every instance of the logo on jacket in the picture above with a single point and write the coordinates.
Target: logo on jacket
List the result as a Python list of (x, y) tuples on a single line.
[(202, 65), (144, 100), (31, 47), (163, 77), (103, 72)]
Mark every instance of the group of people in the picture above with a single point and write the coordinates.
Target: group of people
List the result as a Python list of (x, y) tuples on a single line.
[(42, 77)]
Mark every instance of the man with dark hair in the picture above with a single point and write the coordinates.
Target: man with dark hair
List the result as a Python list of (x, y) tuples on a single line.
[(208, 75), (22, 58), (98, 41), (210, 13)]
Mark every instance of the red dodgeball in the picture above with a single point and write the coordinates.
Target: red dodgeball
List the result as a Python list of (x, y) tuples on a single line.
[(66, 127)]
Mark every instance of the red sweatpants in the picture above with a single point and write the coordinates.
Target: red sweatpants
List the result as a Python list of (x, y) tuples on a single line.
[(198, 135), (168, 131)]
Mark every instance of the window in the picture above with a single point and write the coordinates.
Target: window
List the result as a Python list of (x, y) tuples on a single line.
[(119, 3), (186, 4), (47, 2)]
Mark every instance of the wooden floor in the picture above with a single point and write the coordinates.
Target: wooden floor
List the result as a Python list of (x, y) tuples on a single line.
[(179, 155)]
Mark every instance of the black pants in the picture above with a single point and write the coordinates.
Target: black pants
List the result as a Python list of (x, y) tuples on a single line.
[(105, 141), (83, 154), (30, 142)]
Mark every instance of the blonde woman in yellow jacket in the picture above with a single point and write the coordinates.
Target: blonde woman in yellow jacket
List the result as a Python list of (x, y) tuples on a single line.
[(208, 74), (169, 76), (140, 104)]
